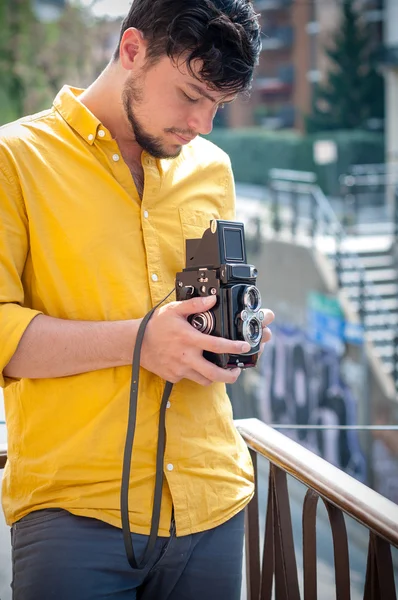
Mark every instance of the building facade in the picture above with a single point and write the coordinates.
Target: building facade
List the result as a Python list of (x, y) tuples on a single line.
[(293, 59), (390, 61)]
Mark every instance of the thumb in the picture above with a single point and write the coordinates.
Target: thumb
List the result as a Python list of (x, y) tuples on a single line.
[(195, 305)]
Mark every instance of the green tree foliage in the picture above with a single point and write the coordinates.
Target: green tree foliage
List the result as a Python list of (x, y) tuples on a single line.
[(15, 22), (354, 91), (37, 58)]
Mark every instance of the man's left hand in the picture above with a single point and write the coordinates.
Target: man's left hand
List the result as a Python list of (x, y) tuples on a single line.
[(267, 334)]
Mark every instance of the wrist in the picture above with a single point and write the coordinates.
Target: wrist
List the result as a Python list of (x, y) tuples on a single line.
[(128, 339)]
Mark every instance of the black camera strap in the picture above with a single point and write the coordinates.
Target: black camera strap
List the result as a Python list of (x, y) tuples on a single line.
[(128, 449)]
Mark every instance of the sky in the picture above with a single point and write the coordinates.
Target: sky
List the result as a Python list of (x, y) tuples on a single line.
[(111, 8)]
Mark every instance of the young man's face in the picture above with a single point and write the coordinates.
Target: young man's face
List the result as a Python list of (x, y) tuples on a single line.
[(167, 107)]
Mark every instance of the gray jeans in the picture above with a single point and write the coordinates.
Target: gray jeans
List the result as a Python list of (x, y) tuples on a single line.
[(58, 556)]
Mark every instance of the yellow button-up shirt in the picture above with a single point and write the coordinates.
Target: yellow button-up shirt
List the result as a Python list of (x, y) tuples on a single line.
[(77, 242)]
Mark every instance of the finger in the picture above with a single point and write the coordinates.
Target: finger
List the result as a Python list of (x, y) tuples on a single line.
[(195, 305), (219, 345), (267, 335), (268, 317), (214, 373), (197, 378)]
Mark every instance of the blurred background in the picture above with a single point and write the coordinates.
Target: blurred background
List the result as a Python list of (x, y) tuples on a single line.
[(315, 157)]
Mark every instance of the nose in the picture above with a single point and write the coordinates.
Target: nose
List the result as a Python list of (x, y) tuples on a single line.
[(201, 121)]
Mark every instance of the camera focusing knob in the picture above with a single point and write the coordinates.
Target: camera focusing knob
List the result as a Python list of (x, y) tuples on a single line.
[(203, 322), (261, 315)]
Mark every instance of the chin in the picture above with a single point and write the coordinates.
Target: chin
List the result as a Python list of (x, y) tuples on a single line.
[(173, 151)]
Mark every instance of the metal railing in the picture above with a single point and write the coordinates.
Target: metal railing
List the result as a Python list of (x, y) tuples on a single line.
[(340, 494), (366, 187)]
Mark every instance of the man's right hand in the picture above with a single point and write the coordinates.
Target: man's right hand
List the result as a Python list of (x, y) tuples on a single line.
[(173, 349)]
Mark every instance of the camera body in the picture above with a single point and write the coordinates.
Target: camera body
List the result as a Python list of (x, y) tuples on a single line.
[(216, 265)]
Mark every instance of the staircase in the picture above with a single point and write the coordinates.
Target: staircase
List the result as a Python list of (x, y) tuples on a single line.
[(363, 256), (380, 297)]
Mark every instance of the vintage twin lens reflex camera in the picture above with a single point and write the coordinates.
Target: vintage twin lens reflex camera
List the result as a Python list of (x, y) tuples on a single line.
[(216, 265)]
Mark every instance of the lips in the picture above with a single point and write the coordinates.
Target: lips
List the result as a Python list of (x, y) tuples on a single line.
[(183, 140)]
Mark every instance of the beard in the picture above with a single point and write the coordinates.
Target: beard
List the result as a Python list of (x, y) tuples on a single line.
[(132, 95)]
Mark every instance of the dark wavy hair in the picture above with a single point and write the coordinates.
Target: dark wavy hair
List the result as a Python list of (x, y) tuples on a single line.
[(223, 34)]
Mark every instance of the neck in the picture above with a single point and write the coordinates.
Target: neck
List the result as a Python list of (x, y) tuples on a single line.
[(104, 99)]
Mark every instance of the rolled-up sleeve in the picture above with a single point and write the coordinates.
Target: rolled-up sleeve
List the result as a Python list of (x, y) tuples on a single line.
[(14, 241)]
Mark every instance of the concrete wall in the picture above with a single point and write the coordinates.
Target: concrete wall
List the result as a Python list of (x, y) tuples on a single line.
[(288, 272)]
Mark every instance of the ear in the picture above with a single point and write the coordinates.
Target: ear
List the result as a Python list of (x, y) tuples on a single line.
[(132, 49)]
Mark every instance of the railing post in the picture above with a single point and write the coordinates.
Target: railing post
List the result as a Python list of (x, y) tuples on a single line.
[(340, 546), (276, 221), (362, 297), (379, 584), (279, 559), (349, 216), (314, 216), (294, 199), (338, 257), (252, 540), (395, 357)]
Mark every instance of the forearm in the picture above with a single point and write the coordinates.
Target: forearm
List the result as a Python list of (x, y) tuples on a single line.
[(58, 348)]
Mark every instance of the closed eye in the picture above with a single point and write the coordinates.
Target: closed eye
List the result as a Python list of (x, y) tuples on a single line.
[(193, 100)]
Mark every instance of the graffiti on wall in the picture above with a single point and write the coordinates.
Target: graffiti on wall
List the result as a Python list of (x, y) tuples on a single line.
[(301, 384)]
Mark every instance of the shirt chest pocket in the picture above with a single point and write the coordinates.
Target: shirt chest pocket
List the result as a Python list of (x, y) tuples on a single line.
[(195, 222)]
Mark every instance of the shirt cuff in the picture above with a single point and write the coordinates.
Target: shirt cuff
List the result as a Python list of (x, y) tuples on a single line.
[(14, 320)]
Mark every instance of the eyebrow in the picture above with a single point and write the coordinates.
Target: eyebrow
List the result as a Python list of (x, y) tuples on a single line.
[(200, 91)]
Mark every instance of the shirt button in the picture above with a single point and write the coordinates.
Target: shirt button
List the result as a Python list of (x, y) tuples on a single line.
[(170, 467), (101, 133), (90, 137), (116, 157), (155, 277), (146, 214), (168, 404)]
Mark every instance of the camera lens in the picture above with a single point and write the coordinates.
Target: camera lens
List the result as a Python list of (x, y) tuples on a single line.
[(252, 298), (203, 322), (252, 332)]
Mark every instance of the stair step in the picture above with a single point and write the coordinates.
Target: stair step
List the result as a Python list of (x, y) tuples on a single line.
[(381, 336), (381, 321), (379, 275), (370, 263), (378, 292), (386, 228), (378, 306), (385, 352), (367, 246)]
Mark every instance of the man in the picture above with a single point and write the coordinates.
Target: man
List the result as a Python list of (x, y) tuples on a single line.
[(97, 196)]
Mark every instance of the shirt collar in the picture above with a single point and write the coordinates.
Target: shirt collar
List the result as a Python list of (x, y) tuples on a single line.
[(77, 115)]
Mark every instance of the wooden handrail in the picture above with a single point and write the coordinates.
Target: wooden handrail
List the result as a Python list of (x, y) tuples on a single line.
[(356, 499), (372, 510), (3, 455), (341, 494)]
